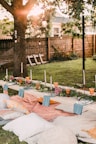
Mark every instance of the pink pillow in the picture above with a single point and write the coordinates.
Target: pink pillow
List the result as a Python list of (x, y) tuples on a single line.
[(16, 98), (28, 101), (14, 105), (29, 98)]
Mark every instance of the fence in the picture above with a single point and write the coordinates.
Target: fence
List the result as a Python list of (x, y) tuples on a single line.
[(66, 44)]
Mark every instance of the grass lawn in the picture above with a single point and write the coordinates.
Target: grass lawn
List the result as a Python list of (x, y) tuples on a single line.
[(9, 138), (67, 73)]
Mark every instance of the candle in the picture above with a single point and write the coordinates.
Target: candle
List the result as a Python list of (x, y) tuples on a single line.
[(6, 74), (67, 91), (37, 85), (51, 82), (31, 74), (95, 81), (27, 79), (45, 76), (21, 67), (83, 77)]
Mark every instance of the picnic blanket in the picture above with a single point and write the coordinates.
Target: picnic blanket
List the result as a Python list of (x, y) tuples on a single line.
[(31, 104), (77, 126), (83, 126)]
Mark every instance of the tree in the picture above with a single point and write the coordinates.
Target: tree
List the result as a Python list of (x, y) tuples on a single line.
[(6, 26), (76, 8), (72, 28), (19, 12)]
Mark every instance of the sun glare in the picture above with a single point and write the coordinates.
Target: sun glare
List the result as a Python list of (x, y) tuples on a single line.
[(37, 10)]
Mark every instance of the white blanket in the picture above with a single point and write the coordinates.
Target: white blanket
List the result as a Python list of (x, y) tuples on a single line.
[(79, 124), (55, 135)]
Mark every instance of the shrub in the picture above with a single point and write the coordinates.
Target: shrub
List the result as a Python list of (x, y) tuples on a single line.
[(73, 56), (94, 57), (58, 55)]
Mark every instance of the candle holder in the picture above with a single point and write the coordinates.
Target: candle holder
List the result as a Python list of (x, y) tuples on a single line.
[(91, 90), (20, 81), (28, 82), (38, 86), (27, 79), (68, 92), (55, 84)]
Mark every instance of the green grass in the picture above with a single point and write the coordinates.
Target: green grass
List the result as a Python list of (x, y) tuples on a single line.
[(8, 137), (67, 73)]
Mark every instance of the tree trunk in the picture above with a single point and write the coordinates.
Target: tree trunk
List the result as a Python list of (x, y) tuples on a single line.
[(19, 12), (19, 47)]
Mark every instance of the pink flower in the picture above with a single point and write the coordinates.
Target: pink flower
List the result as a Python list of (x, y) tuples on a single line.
[(57, 90)]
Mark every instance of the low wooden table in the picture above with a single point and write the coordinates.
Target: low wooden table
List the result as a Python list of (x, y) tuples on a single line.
[(63, 100)]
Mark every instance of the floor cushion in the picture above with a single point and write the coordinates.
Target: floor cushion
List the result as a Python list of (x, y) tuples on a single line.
[(3, 98), (27, 126)]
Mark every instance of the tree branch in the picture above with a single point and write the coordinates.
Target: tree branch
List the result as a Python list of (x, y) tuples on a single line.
[(29, 4), (6, 6)]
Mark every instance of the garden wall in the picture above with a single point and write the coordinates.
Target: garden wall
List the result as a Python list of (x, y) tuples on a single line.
[(65, 45), (48, 46)]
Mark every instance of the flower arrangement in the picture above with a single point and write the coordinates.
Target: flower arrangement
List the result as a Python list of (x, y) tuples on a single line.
[(57, 90), (11, 78)]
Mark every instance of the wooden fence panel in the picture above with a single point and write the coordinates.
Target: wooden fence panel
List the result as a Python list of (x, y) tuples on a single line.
[(46, 46)]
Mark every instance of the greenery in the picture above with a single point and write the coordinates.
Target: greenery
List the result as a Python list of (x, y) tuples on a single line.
[(8, 137), (62, 56), (7, 26), (66, 73), (94, 57), (73, 9)]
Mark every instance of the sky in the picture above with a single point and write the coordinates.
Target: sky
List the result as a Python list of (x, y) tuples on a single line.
[(36, 11), (4, 13)]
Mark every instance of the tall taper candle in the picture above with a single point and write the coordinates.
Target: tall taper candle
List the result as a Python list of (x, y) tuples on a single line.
[(84, 77), (21, 67), (6, 73)]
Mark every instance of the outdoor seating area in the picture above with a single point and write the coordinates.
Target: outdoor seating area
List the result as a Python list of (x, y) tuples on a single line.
[(51, 106), (50, 113), (47, 72), (36, 59)]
